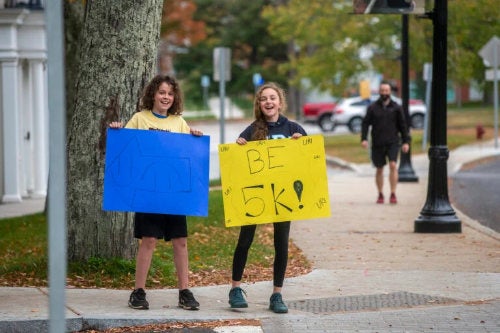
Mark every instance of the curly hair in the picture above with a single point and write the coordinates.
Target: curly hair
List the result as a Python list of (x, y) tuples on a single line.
[(260, 131), (148, 95)]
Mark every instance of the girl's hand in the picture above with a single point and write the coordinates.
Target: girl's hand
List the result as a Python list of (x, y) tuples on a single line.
[(116, 124), (296, 135), (196, 132), (241, 141)]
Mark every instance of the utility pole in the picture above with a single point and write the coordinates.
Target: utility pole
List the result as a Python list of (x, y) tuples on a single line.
[(437, 215)]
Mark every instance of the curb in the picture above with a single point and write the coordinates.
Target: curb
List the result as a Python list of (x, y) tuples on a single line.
[(474, 224), (336, 162)]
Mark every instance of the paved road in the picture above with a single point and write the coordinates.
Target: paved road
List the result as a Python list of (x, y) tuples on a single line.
[(475, 190)]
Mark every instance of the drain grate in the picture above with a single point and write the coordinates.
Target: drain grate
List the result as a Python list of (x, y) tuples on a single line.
[(368, 302)]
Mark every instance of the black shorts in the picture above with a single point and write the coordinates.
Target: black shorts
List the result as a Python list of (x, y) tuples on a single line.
[(380, 154), (160, 226)]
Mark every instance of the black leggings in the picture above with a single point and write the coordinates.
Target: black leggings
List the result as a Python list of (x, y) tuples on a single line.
[(281, 235)]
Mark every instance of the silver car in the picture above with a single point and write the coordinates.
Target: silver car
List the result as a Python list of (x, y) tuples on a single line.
[(350, 112)]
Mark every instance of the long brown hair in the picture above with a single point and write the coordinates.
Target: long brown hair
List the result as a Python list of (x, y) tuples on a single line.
[(148, 95), (261, 131)]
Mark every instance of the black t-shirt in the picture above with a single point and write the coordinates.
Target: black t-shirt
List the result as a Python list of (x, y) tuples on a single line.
[(387, 122), (283, 128)]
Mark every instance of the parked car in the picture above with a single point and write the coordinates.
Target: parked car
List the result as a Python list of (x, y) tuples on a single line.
[(350, 112), (319, 113)]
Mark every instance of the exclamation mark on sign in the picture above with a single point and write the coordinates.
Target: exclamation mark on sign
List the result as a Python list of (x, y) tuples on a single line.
[(298, 187)]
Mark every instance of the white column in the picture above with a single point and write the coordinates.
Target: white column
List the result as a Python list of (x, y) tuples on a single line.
[(25, 128), (39, 137), (10, 108)]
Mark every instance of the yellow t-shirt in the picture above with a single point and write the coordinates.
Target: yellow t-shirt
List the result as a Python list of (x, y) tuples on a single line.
[(148, 121)]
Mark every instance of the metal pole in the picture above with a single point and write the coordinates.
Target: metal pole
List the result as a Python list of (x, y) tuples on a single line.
[(205, 97), (222, 93), (428, 83), (437, 215), (57, 169), (405, 171), (495, 92)]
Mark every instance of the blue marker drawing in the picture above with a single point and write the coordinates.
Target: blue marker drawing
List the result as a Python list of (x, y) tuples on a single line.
[(156, 172)]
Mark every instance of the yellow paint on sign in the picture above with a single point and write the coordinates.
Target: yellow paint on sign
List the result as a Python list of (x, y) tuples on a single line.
[(274, 181)]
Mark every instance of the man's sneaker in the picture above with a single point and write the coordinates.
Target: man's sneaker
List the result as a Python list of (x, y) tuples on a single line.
[(393, 199), (380, 199), (276, 304), (187, 301), (236, 298), (137, 300)]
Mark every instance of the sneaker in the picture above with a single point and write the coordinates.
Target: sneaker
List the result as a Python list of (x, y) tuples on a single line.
[(276, 304), (236, 298), (137, 300), (380, 199), (393, 199), (187, 301)]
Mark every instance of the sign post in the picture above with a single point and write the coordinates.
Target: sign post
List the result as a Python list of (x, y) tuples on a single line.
[(222, 73), (490, 54), (57, 175)]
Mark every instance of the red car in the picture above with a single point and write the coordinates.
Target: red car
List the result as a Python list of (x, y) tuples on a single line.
[(319, 113)]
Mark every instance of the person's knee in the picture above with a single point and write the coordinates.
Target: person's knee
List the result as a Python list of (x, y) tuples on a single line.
[(148, 242), (179, 243)]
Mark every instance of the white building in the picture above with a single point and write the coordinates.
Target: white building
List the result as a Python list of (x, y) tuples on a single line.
[(24, 157)]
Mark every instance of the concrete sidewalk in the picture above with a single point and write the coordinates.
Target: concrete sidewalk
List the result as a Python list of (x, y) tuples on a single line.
[(372, 273)]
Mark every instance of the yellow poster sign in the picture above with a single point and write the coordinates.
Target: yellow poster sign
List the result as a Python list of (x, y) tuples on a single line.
[(274, 181)]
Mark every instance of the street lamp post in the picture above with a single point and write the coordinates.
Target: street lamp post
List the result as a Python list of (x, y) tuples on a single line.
[(405, 171), (437, 215)]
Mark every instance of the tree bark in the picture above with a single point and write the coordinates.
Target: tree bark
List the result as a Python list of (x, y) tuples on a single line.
[(118, 55), (73, 27)]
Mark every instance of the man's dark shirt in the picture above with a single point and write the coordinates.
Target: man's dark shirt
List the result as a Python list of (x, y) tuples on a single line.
[(387, 122)]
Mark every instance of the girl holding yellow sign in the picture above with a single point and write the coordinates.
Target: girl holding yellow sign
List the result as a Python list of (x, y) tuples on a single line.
[(270, 123)]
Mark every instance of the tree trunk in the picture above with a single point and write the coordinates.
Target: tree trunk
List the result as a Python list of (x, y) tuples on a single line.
[(73, 27), (117, 58)]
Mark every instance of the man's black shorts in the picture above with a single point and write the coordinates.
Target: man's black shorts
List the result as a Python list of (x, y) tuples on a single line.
[(160, 226), (380, 154)]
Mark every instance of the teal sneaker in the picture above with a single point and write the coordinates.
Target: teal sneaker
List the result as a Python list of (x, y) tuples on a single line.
[(276, 304), (236, 298)]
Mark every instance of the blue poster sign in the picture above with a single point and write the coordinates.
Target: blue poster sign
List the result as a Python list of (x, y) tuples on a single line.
[(156, 172)]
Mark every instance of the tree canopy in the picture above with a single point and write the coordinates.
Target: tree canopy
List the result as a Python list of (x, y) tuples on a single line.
[(331, 41), (323, 41)]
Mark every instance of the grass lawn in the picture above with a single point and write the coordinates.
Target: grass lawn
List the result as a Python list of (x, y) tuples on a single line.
[(461, 129), (23, 245)]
